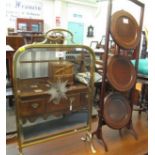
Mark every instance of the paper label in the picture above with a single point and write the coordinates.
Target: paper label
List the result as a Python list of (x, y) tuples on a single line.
[(125, 21), (38, 90), (60, 54)]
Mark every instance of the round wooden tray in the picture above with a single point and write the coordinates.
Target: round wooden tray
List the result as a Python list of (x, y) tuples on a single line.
[(117, 111), (125, 30), (121, 73)]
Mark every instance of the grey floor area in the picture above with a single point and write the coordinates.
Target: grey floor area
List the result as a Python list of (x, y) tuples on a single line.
[(10, 118)]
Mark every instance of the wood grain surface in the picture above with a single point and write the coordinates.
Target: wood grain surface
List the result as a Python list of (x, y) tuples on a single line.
[(72, 145)]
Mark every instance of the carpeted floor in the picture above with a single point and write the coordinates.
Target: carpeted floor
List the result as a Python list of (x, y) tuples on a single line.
[(10, 119)]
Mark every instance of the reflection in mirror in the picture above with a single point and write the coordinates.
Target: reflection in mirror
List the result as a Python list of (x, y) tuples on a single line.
[(52, 99)]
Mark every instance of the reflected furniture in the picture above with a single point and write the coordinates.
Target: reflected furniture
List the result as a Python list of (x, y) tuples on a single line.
[(50, 101)]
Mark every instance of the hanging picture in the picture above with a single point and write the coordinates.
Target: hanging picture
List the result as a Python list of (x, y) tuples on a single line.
[(90, 32)]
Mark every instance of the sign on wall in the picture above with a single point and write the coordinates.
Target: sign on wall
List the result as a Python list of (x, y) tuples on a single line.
[(23, 9), (58, 20)]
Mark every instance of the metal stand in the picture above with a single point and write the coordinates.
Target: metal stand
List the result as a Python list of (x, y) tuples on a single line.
[(52, 43), (20, 151), (88, 138)]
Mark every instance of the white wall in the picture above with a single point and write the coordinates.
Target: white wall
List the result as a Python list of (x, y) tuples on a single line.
[(33, 9), (87, 17), (48, 14), (22, 9), (49, 9)]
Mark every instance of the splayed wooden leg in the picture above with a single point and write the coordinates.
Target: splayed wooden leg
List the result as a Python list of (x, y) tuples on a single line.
[(132, 130), (98, 134), (120, 132)]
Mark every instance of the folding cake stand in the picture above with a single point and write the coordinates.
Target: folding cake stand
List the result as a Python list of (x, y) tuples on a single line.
[(115, 109)]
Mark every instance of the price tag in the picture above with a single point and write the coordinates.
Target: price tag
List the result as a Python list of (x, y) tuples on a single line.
[(38, 90), (125, 21), (60, 54), (34, 86), (70, 107)]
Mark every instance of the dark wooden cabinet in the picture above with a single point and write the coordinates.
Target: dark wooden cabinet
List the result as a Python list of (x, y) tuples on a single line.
[(15, 41), (33, 104), (59, 108)]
